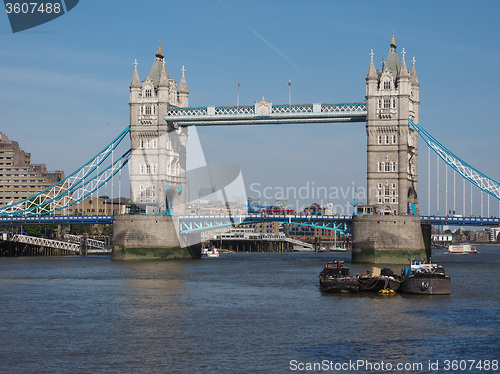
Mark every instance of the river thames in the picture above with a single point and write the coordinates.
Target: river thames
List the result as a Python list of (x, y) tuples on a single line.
[(241, 313)]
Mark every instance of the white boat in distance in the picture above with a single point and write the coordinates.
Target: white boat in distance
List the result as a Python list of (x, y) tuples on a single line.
[(462, 248), (206, 252), (338, 249)]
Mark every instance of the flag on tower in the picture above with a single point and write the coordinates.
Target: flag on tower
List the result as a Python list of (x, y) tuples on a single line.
[(289, 82)]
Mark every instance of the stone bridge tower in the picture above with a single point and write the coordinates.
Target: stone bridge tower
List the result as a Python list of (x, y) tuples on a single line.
[(158, 160), (394, 234), (392, 96), (157, 170)]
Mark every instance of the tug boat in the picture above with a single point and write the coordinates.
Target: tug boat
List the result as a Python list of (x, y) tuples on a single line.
[(462, 248), (425, 279), (379, 280), (335, 277)]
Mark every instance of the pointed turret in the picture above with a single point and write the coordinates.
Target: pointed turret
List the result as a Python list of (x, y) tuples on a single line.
[(136, 82), (403, 80), (372, 72), (135, 94), (183, 90), (392, 62), (163, 82), (403, 70), (413, 74)]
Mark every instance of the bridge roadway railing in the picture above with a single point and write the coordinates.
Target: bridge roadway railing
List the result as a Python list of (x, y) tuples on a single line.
[(90, 244), (76, 244), (48, 219), (48, 243), (469, 221), (266, 113)]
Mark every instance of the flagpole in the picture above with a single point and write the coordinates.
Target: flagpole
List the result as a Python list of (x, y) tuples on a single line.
[(238, 96), (290, 92)]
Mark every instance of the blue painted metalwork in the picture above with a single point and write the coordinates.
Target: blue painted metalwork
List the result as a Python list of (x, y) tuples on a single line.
[(474, 176), (189, 224), (74, 187), (61, 220)]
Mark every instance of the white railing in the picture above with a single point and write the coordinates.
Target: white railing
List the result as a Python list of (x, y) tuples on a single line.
[(49, 243)]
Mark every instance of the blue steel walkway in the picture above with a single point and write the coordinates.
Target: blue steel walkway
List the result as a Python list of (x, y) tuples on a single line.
[(197, 223)]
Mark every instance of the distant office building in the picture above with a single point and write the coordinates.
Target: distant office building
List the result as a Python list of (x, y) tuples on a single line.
[(98, 206), (19, 178), (495, 234)]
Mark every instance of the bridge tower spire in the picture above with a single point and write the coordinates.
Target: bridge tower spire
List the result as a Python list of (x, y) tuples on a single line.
[(391, 98)]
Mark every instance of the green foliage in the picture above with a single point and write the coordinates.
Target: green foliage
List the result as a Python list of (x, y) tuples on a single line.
[(40, 230)]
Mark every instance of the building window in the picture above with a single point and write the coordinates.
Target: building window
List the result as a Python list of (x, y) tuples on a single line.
[(387, 103), (148, 109), (148, 92), (394, 103), (387, 166), (387, 85), (394, 139), (387, 139), (380, 139)]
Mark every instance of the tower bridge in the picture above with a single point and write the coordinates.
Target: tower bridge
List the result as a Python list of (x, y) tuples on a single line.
[(391, 230)]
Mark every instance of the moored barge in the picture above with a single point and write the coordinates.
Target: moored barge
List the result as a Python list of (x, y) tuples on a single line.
[(335, 278), (425, 279)]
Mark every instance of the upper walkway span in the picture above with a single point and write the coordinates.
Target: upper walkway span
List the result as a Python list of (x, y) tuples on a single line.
[(266, 113)]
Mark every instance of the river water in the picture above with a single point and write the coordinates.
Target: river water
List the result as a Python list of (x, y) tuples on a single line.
[(240, 313)]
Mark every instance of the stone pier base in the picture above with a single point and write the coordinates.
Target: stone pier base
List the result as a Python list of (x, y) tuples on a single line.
[(144, 237), (387, 239)]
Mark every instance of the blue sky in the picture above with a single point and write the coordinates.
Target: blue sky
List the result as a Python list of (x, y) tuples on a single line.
[(64, 85)]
